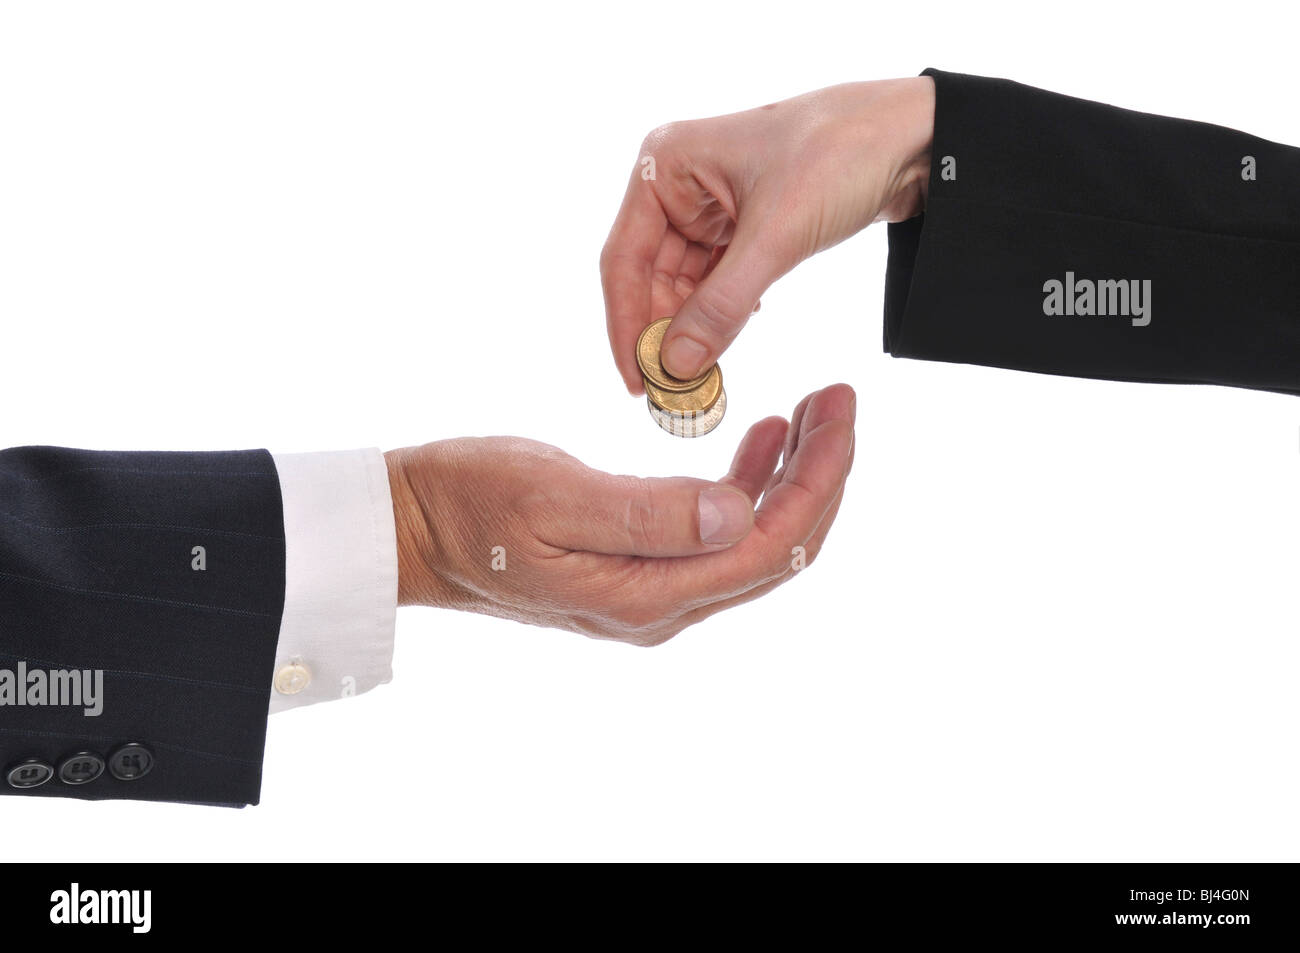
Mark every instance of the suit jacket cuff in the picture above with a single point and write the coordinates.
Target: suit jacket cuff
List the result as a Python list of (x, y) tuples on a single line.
[(1029, 187), (157, 581)]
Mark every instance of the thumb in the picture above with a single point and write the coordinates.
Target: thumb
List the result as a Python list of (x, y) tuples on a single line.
[(656, 516), (709, 320)]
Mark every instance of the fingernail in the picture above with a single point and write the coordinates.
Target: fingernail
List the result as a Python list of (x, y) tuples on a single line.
[(725, 515), (684, 358)]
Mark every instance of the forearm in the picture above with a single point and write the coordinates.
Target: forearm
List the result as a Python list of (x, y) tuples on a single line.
[(163, 574), (189, 593), (1071, 237)]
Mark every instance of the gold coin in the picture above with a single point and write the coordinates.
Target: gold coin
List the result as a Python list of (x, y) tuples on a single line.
[(683, 408), (695, 401), (647, 357)]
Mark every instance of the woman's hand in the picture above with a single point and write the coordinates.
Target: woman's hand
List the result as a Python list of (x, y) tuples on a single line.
[(769, 187)]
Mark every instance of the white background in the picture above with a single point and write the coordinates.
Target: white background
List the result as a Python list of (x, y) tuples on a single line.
[(1056, 619)]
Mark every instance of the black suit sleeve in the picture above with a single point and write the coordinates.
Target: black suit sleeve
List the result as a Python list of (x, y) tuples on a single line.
[(163, 571), (1040, 186)]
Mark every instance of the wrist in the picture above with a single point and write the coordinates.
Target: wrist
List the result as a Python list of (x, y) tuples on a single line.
[(908, 133), (418, 581)]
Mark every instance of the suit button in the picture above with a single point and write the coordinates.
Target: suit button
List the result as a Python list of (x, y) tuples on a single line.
[(81, 768), (129, 762), (292, 678), (31, 773)]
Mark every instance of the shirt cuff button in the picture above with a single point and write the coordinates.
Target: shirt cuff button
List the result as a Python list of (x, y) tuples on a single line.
[(292, 678)]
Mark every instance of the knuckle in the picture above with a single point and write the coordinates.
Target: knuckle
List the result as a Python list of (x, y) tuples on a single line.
[(718, 311), (611, 253), (645, 530), (662, 136)]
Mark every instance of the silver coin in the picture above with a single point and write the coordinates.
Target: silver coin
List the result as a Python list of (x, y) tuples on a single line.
[(689, 424)]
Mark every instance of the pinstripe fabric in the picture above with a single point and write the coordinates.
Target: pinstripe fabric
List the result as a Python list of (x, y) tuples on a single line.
[(96, 572)]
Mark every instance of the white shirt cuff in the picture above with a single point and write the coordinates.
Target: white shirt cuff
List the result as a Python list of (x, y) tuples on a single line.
[(340, 604)]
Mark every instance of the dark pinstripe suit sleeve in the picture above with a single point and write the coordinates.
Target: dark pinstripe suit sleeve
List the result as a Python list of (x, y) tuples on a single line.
[(97, 572), (1041, 186)]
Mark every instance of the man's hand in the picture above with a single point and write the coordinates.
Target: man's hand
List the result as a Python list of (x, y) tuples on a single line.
[(769, 187), (518, 529)]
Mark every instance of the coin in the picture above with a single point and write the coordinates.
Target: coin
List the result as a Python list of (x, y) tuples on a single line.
[(647, 358), (689, 425), (683, 408), (695, 401)]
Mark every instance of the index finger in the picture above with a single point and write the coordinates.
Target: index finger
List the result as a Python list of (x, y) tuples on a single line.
[(626, 269)]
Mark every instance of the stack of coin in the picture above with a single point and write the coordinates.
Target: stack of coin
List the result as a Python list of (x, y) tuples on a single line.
[(683, 408)]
